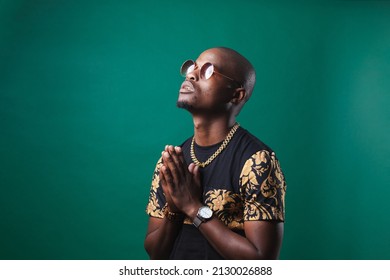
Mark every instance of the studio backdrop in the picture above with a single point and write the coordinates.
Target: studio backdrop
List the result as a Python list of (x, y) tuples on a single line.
[(88, 95)]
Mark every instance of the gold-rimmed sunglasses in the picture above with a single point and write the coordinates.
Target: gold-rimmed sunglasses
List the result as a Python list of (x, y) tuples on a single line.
[(205, 72)]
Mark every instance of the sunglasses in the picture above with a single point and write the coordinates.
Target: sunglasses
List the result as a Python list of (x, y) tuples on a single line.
[(205, 72)]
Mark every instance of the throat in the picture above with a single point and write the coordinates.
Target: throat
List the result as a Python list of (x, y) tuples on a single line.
[(210, 133), (224, 144)]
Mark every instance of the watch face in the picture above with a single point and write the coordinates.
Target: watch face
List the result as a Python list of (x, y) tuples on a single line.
[(205, 212)]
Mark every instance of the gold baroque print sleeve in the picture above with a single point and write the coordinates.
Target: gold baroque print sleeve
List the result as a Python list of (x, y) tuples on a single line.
[(263, 188), (227, 206), (156, 204)]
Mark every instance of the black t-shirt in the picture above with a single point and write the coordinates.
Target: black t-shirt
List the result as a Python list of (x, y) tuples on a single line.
[(243, 183)]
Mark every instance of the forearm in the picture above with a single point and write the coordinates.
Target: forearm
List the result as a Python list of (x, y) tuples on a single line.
[(262, 241), (159, 241), (228, 244)]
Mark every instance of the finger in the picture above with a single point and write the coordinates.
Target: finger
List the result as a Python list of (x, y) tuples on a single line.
[(195, 171), (167, 171), (171, 166), (180, 155), (162, 157), (165, 186), (163, 181), (167, 193), (177, 159), (191, 167)]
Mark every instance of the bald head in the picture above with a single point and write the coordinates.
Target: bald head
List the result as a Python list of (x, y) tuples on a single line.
[(239, 67)]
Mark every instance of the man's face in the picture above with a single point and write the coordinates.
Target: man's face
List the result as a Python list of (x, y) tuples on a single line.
[(213, 95)]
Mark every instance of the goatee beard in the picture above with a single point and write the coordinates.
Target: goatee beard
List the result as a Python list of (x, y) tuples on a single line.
[(184, 105)]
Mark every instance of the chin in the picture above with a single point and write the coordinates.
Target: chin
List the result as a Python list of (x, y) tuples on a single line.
[(184, 105)]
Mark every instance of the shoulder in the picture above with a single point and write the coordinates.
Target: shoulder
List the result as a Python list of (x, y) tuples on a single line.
[(250, 142), (259, 161), (248, 146)]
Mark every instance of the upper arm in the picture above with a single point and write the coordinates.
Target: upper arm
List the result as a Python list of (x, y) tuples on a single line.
[(155, 207), (156, 203)]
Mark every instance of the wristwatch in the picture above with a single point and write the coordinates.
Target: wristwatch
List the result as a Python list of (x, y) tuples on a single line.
[(204, 214)]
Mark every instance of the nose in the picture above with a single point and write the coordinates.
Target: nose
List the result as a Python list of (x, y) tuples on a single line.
[(193, 76)]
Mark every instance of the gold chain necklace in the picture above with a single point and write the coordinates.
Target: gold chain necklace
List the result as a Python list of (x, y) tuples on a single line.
[(217, 152)]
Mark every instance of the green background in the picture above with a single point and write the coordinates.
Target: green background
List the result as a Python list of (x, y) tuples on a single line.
[(88, 100)]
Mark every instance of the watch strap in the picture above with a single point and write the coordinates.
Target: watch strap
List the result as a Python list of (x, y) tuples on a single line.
[(197, 221)]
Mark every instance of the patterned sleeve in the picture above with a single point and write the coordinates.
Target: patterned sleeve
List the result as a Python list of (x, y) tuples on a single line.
[(156, 204), (263, 188)]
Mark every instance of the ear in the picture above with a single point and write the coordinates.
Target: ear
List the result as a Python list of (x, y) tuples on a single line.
[(239, 96)]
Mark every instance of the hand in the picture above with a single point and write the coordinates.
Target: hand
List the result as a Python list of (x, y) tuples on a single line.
[(181, 185), (171, 205)]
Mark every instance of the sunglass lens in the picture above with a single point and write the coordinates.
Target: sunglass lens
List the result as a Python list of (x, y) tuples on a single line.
[(187, 67), (207, 70)]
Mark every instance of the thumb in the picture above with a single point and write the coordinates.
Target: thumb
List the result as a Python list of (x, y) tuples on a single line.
[(194, 169)]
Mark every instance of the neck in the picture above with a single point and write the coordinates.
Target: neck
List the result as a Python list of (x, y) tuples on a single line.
[(211, 131)]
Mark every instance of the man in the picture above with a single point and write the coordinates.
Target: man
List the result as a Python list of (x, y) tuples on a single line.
[(220, 195)]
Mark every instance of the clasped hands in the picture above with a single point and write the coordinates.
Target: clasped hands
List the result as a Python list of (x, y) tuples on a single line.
[(181, 185)]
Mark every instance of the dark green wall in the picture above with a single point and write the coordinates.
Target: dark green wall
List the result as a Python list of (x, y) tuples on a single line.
[(87, 102)]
